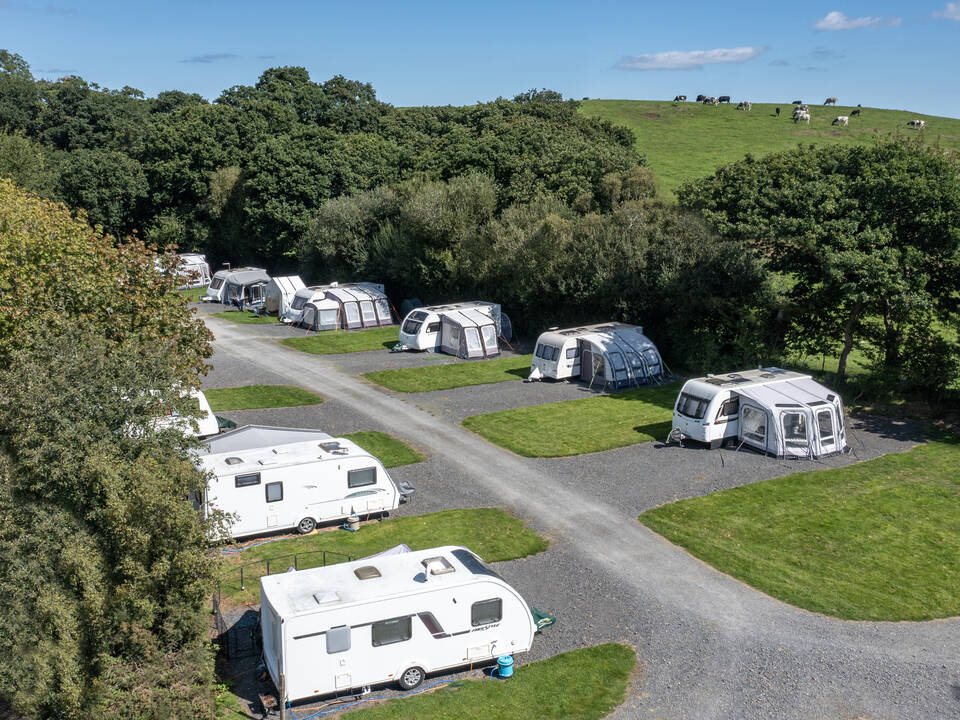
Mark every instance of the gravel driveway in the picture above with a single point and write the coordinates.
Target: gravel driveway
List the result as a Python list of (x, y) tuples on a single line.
[(709, 646)]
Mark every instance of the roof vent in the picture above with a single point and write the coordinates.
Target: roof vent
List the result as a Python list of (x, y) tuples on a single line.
[(333, 447), (324, 598), (555, 327), (436, 566), (367, 572), (234, 461)]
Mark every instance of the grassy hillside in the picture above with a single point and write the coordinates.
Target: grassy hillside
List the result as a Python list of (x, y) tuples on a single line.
[(683, 141)]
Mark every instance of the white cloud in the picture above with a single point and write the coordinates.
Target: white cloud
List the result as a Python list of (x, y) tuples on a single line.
[(950, 12), (688, 59), (836, 20)]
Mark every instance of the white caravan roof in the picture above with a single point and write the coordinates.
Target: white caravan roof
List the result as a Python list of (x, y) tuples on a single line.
[(243, 276), (602, 334), (287, 284), (709, 385), (256, 446), (319, 589), (485, 307)]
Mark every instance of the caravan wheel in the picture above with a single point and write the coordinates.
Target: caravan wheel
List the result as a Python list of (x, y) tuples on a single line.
[(306, 525), (411, 678)]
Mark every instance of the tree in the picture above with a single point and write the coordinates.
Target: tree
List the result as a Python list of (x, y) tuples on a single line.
[(108, 185), (858, 232), (19, 99)]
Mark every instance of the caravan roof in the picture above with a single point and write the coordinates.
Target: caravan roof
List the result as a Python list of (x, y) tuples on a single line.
[(466, 305), (746, 379), (320, 589)]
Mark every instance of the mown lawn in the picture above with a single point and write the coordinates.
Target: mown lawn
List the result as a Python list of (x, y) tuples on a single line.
[(256, 397), (333, 342), (683, 141), (574, 427), (874, 541), (585, 684), (458, 374), (489, 532), (245, 317), (192, 294), (386, 448)]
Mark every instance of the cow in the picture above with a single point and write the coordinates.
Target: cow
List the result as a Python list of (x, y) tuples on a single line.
[(680, 98), (855, 113), (800, 109), (830, 101), (777, 112), (841, 120), (723, 99), (802, 117), (711, 101), (744, 105), (797, 102), (701, 98), (917, 124)]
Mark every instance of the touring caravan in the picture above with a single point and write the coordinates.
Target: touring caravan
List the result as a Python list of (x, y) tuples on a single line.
[(203, 426), (335, 306), (228, 285), (277, 478), (466, 329), (280, 292), (193, 271), (776, 411), (612, 354), (387, 619)]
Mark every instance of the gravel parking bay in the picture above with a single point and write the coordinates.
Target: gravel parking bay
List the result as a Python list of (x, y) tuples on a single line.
[(709, 646)]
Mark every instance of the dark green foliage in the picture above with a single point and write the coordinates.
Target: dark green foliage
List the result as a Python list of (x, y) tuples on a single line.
[(859, 233), (109, 183)]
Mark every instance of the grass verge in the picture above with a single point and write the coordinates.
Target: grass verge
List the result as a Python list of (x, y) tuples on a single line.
[(256, 397), (489, 532), (574, 427), (245, 317), (585, 684), (873, 541), (192, 294), (386, 448), (334, 342), (458, 374)]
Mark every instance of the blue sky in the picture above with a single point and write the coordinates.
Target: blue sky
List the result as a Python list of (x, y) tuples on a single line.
[(883, 54)]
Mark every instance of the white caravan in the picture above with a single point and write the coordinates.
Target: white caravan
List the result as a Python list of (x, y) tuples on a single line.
[(776, 411), (193, 271), (246, 282), (387, 619), (335, 306), (613, 353), (206, 424), (466, 329), (280, 292), (276, 478)]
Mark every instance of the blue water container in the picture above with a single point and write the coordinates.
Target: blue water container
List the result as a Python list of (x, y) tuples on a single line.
[(505, 666)]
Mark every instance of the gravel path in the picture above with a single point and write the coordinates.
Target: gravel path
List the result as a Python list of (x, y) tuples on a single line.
[(709, 645)]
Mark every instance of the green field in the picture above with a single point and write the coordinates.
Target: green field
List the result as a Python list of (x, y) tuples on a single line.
[(246, 317), (873, 541), (192, 294), (386, 448), (585, 684), (683, 141), (489, 532), (333, 342), (574, 427), (458, 374), (256, 397)]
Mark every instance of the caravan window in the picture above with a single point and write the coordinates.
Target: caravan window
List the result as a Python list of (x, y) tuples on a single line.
[(573, 353), (359, 478), (825, 426), (366, 309), (728, 409), (430, 622), (216, 283), (274, 491), (486, 612), (433, 327), (298, 302), (794, 429), (352, 312), (338, 639), (411, 326), (387, 632), (753, 425), (246, 480), (692, 406)]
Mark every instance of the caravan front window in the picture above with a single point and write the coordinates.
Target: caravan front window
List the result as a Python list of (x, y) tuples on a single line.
[(298, 302), (411, 326), (692, 406), (387, 632), (794, 429), (216, 283)]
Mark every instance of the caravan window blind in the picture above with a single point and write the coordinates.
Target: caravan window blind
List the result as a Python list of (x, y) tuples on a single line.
[(411, 326), (692, 406), (246, 480), (359, 478), (486, 612), (387, 632)]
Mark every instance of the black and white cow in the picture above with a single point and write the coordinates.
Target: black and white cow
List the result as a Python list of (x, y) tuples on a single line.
[(917, 124), (680, 98), (841, 120), (723, 99)]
